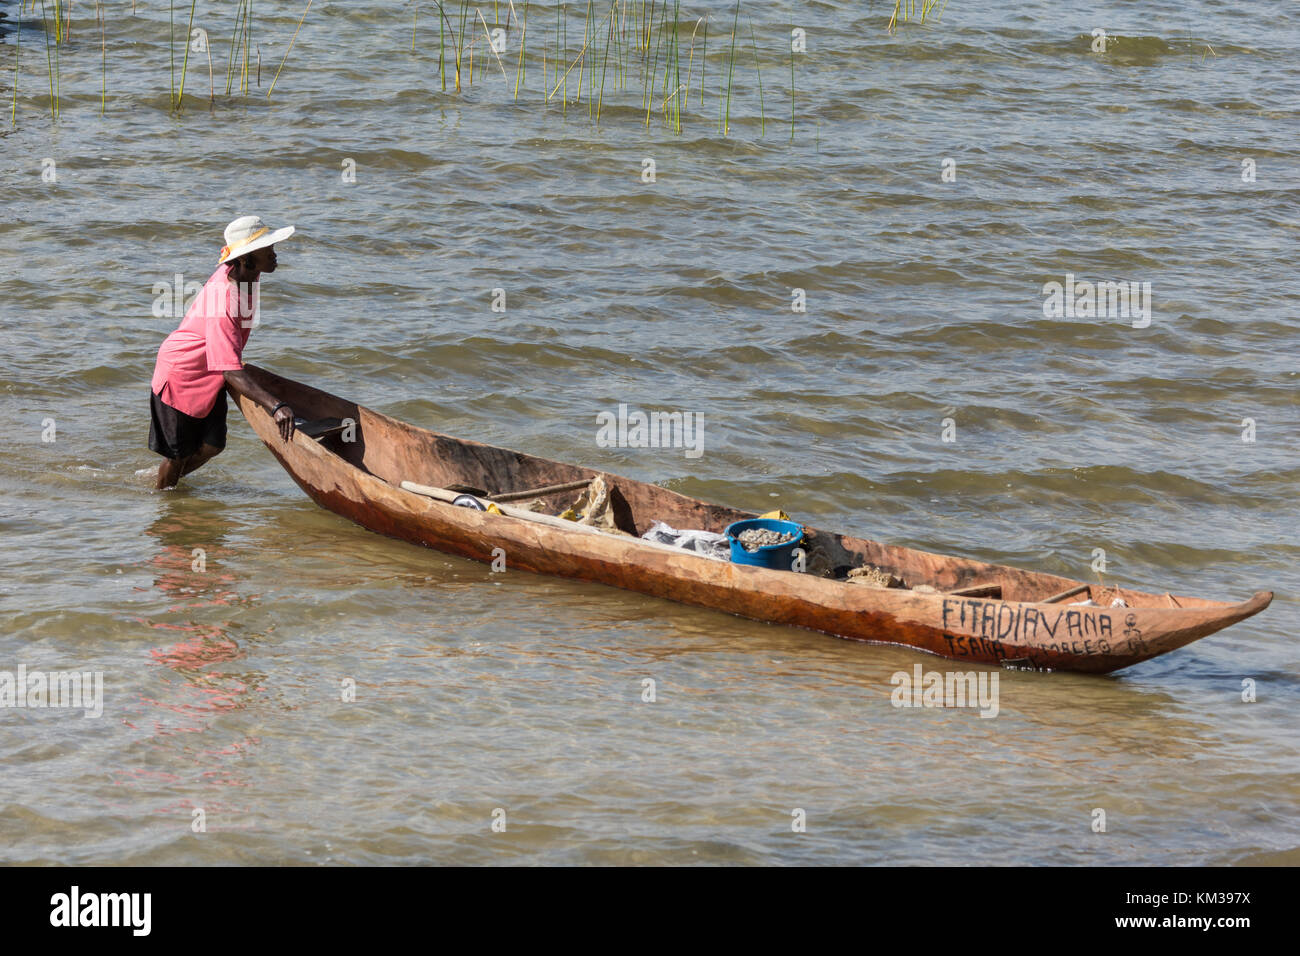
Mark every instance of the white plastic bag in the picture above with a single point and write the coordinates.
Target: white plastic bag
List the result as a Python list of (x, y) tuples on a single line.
[(705, 543)]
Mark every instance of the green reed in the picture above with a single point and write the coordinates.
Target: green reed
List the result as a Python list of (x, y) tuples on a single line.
[(51, 65), (690, 63), (294, 39), (442, 49), (460, 44), (592, 60), (704, 59), (185, 65), (18, 49), (792, 83), (731, 70), (445, 29), (234, 45), (586, 41), (604, 64), (620, 42), (103, 59), (248, 37), (491, 48), (649, 66), (907, 10), (241, 46), (758, 71), (647, 94), (523, 42), (676, 113)]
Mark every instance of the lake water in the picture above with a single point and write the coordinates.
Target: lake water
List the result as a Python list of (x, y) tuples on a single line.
[(1168, 159)]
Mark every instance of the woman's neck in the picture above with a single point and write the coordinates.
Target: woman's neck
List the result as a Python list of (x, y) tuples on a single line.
[(241, 275)]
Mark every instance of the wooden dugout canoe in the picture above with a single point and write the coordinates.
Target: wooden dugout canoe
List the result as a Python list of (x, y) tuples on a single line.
[(361, 480)]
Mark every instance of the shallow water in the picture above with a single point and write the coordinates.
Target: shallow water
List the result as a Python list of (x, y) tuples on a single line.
[(478, 691)]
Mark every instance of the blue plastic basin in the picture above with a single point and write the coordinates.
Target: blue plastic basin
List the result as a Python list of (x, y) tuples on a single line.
[(779, 557)]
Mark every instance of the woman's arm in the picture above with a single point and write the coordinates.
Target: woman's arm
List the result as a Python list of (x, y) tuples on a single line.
[(244, 382)]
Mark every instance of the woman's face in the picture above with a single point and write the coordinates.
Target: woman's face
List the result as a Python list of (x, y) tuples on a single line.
[(262, 260)]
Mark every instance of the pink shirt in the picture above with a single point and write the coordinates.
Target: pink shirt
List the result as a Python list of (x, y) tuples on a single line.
[(209, 341)]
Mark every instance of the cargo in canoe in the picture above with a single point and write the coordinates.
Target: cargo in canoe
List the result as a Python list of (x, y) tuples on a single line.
[(965, 610)]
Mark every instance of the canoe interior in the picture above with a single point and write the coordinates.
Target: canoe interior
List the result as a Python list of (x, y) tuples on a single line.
[(394, 451)]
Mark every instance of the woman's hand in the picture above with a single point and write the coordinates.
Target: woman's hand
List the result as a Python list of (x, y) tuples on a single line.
[(284, 419)]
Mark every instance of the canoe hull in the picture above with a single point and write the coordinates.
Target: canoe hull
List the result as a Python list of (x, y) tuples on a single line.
[(978, 630)]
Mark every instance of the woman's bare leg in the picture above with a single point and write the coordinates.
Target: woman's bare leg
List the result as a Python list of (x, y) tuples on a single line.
[(171, 470), (200, 458)]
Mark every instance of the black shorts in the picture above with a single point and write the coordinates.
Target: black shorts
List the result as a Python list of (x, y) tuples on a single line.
[(173, 434)]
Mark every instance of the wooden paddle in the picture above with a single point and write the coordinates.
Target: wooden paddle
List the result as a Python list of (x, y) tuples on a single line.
[(1070, 592), (541, 492), (520, 495), (449, 496)]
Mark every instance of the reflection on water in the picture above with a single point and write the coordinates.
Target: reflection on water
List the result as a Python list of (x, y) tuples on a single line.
[(196, 580), (199, 688)]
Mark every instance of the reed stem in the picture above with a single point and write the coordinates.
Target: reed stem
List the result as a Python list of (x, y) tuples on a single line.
[(577, 59), (185, 64), (292, 41), (103, 59), (731, 70), (610, 36), (792, 82), (704, 58), (586, 35), (442, 48), (248, 32), (18, 49), (234, 46), (677, 68), (489, 41), (460, 43), (648, 94), (212, 86), (523, 40), (690, 62), (49, 66)]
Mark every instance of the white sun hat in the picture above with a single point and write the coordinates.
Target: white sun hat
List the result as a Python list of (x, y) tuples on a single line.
[(247, 234)]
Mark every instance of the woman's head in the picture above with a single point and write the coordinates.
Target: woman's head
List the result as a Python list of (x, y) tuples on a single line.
[(252, 264), (249, 245)]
